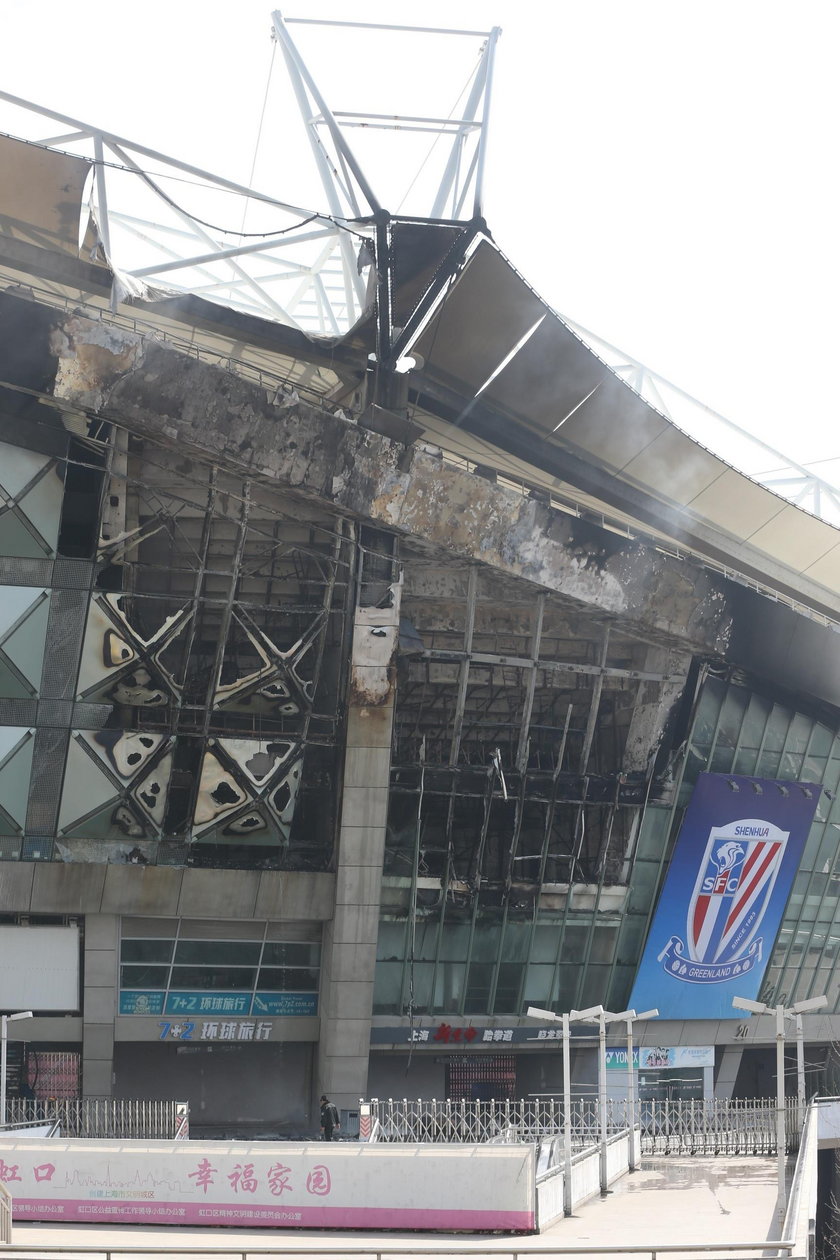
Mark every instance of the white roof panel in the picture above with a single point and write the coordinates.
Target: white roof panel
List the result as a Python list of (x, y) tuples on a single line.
[(547, 388), (795, 538), (679, 473), (826, 570), (739, 506)]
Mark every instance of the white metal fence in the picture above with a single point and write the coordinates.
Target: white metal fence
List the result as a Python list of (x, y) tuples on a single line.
[(5, 1215), (713, 1126), (103, 1117), (717, 1127)]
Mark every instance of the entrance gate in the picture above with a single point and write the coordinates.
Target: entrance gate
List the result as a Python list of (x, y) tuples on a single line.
[(713, 1126)]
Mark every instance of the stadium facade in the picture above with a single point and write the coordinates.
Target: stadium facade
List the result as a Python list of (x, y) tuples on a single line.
[(345, 711)]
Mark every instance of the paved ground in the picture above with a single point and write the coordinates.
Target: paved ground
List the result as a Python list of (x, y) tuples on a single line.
[(668, 1202), (671, 1201)]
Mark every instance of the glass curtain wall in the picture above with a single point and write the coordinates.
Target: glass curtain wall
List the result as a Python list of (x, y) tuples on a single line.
[(738, 731), (522, 744), (472, 958)]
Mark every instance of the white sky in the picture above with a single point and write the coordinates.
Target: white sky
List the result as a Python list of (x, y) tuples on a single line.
[(662, 171)]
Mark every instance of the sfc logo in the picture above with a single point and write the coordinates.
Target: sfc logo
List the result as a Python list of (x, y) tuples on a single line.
[(735, 880)]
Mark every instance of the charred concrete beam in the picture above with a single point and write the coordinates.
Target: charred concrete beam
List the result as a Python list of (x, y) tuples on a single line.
[(204, 412)]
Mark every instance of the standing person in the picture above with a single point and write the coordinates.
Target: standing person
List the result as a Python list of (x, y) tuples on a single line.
[(329, 1118)]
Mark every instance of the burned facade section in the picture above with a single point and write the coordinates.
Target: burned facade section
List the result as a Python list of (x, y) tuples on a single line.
[(176, 635), (528, 738)]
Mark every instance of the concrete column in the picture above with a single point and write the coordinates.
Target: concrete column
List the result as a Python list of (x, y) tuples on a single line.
[(653, 705), (728, 1071), (349, 955), (100, 1004)]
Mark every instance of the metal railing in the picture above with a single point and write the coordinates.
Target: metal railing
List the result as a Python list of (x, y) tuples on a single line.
[(722, 1250), (50, 1128), (714, 1126), (102, 1117), (801, 1212), (5, 1215)]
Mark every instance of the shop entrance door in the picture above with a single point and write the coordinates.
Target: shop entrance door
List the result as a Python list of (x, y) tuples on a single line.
[(480, 1077)]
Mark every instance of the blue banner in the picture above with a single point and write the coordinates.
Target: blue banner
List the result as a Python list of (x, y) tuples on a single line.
[(724, 895), (155, 1002)]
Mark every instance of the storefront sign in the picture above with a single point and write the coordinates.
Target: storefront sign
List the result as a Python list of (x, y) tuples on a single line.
[(650, 1058), (208, 1003), (616, 1060), (724, 895), (653, 1057), (194, 1004), (214, 1030), (445, 1035), (344, 1186)]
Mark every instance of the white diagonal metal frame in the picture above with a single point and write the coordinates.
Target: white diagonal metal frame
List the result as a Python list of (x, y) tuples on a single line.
[(346, 186), (308, 272), (289, 275)]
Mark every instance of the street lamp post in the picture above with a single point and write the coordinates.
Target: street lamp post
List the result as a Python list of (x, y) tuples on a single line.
[(5, 1020), (536, 1012), (602, 1019), (800, 1071), (631, 1017), (782, 1013)]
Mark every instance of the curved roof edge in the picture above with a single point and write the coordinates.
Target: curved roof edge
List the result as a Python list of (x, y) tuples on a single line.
[(534, 388)]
